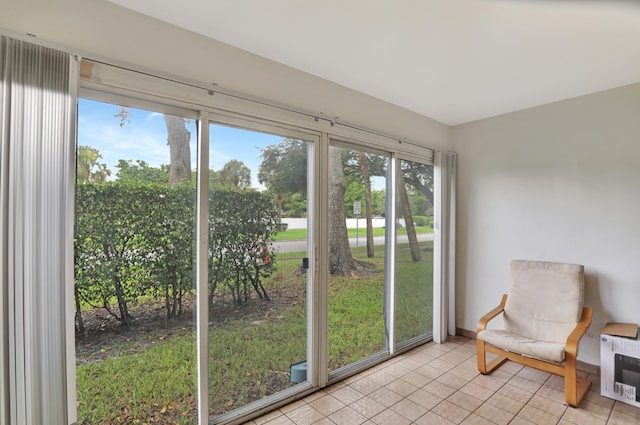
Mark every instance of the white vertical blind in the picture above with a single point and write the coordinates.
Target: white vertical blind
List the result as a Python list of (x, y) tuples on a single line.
[(37, 154), (445, 249)]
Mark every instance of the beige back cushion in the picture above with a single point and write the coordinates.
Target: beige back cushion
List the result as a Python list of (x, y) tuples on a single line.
[(545, 301)]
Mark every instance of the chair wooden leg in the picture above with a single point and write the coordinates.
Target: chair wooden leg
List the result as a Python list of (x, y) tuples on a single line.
[(483, 367), (481, 356), (576, 390), (575, 387)]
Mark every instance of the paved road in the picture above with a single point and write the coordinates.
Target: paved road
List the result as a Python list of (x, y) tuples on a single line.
[(296, 246)]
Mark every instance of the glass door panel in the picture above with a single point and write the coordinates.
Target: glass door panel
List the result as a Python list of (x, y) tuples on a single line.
[(414, 252), (134, 266), (258, 258), (356, 293)]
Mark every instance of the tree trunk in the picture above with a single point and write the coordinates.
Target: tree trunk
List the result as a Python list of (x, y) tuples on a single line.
[(167, 306), (178, 140), (340, 258), (79, 320), (362, 157), (212, 289), (279, 203), (125, 318), (174, 298), (414, 181), (408, 218)]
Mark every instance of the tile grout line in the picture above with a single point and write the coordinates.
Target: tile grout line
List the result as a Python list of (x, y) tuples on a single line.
[(438, 354)]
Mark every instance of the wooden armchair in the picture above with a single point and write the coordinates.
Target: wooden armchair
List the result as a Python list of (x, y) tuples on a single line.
[(544, 320)]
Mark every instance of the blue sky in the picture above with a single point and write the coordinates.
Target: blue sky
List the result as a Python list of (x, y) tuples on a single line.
[(145, 138)]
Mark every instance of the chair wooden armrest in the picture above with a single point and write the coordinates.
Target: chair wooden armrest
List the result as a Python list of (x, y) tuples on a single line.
[(483, 367), (574, 338), (484, 320), (575, 387)]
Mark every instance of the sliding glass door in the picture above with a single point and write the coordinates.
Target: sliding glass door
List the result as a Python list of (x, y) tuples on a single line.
[(318, 261), (258, 265), (413, 252), (356, 292), (134, 265)]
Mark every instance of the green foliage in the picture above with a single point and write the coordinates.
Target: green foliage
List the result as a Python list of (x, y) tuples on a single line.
[(294, 204), (418, 202), (112, 249), (284, 167), (172, 239), (419, 179), (376, 166), (378, 202), (137, 240), (141, 172), (242, 226), (422, 220), (354, 192), (88, 167), (234, 175), (284, 172)]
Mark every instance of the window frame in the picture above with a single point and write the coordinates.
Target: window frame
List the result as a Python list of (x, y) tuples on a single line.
[(256, 116)]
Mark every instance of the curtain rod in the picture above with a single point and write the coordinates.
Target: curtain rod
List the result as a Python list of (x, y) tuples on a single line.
[(31, 38), (216, 89), (241, 96)]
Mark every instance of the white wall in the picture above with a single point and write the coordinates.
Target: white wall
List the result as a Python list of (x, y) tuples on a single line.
[(99, 29), (559, 182)]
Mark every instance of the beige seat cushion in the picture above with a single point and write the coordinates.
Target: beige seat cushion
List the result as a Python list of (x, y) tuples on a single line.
[(545, 300), (549, 351)]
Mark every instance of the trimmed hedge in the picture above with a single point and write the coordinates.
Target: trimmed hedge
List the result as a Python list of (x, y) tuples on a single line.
[(423, 220), (134, 240)]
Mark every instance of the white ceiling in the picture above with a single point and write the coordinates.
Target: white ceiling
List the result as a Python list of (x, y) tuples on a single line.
[(452, 60)]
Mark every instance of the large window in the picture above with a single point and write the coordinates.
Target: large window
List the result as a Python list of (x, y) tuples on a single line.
[(220, 272)]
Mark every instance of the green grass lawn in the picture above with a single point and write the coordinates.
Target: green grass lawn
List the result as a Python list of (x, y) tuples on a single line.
[(301, 234), (414, 294), (250, 358)]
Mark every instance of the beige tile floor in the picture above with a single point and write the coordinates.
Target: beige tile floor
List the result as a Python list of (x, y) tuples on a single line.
[(439, 384)]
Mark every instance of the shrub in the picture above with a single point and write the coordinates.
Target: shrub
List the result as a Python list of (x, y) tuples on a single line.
[(138, 239), (242, 225), (423, 220)]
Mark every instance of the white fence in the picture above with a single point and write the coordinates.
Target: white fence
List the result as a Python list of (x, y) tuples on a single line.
[(352, 223)]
